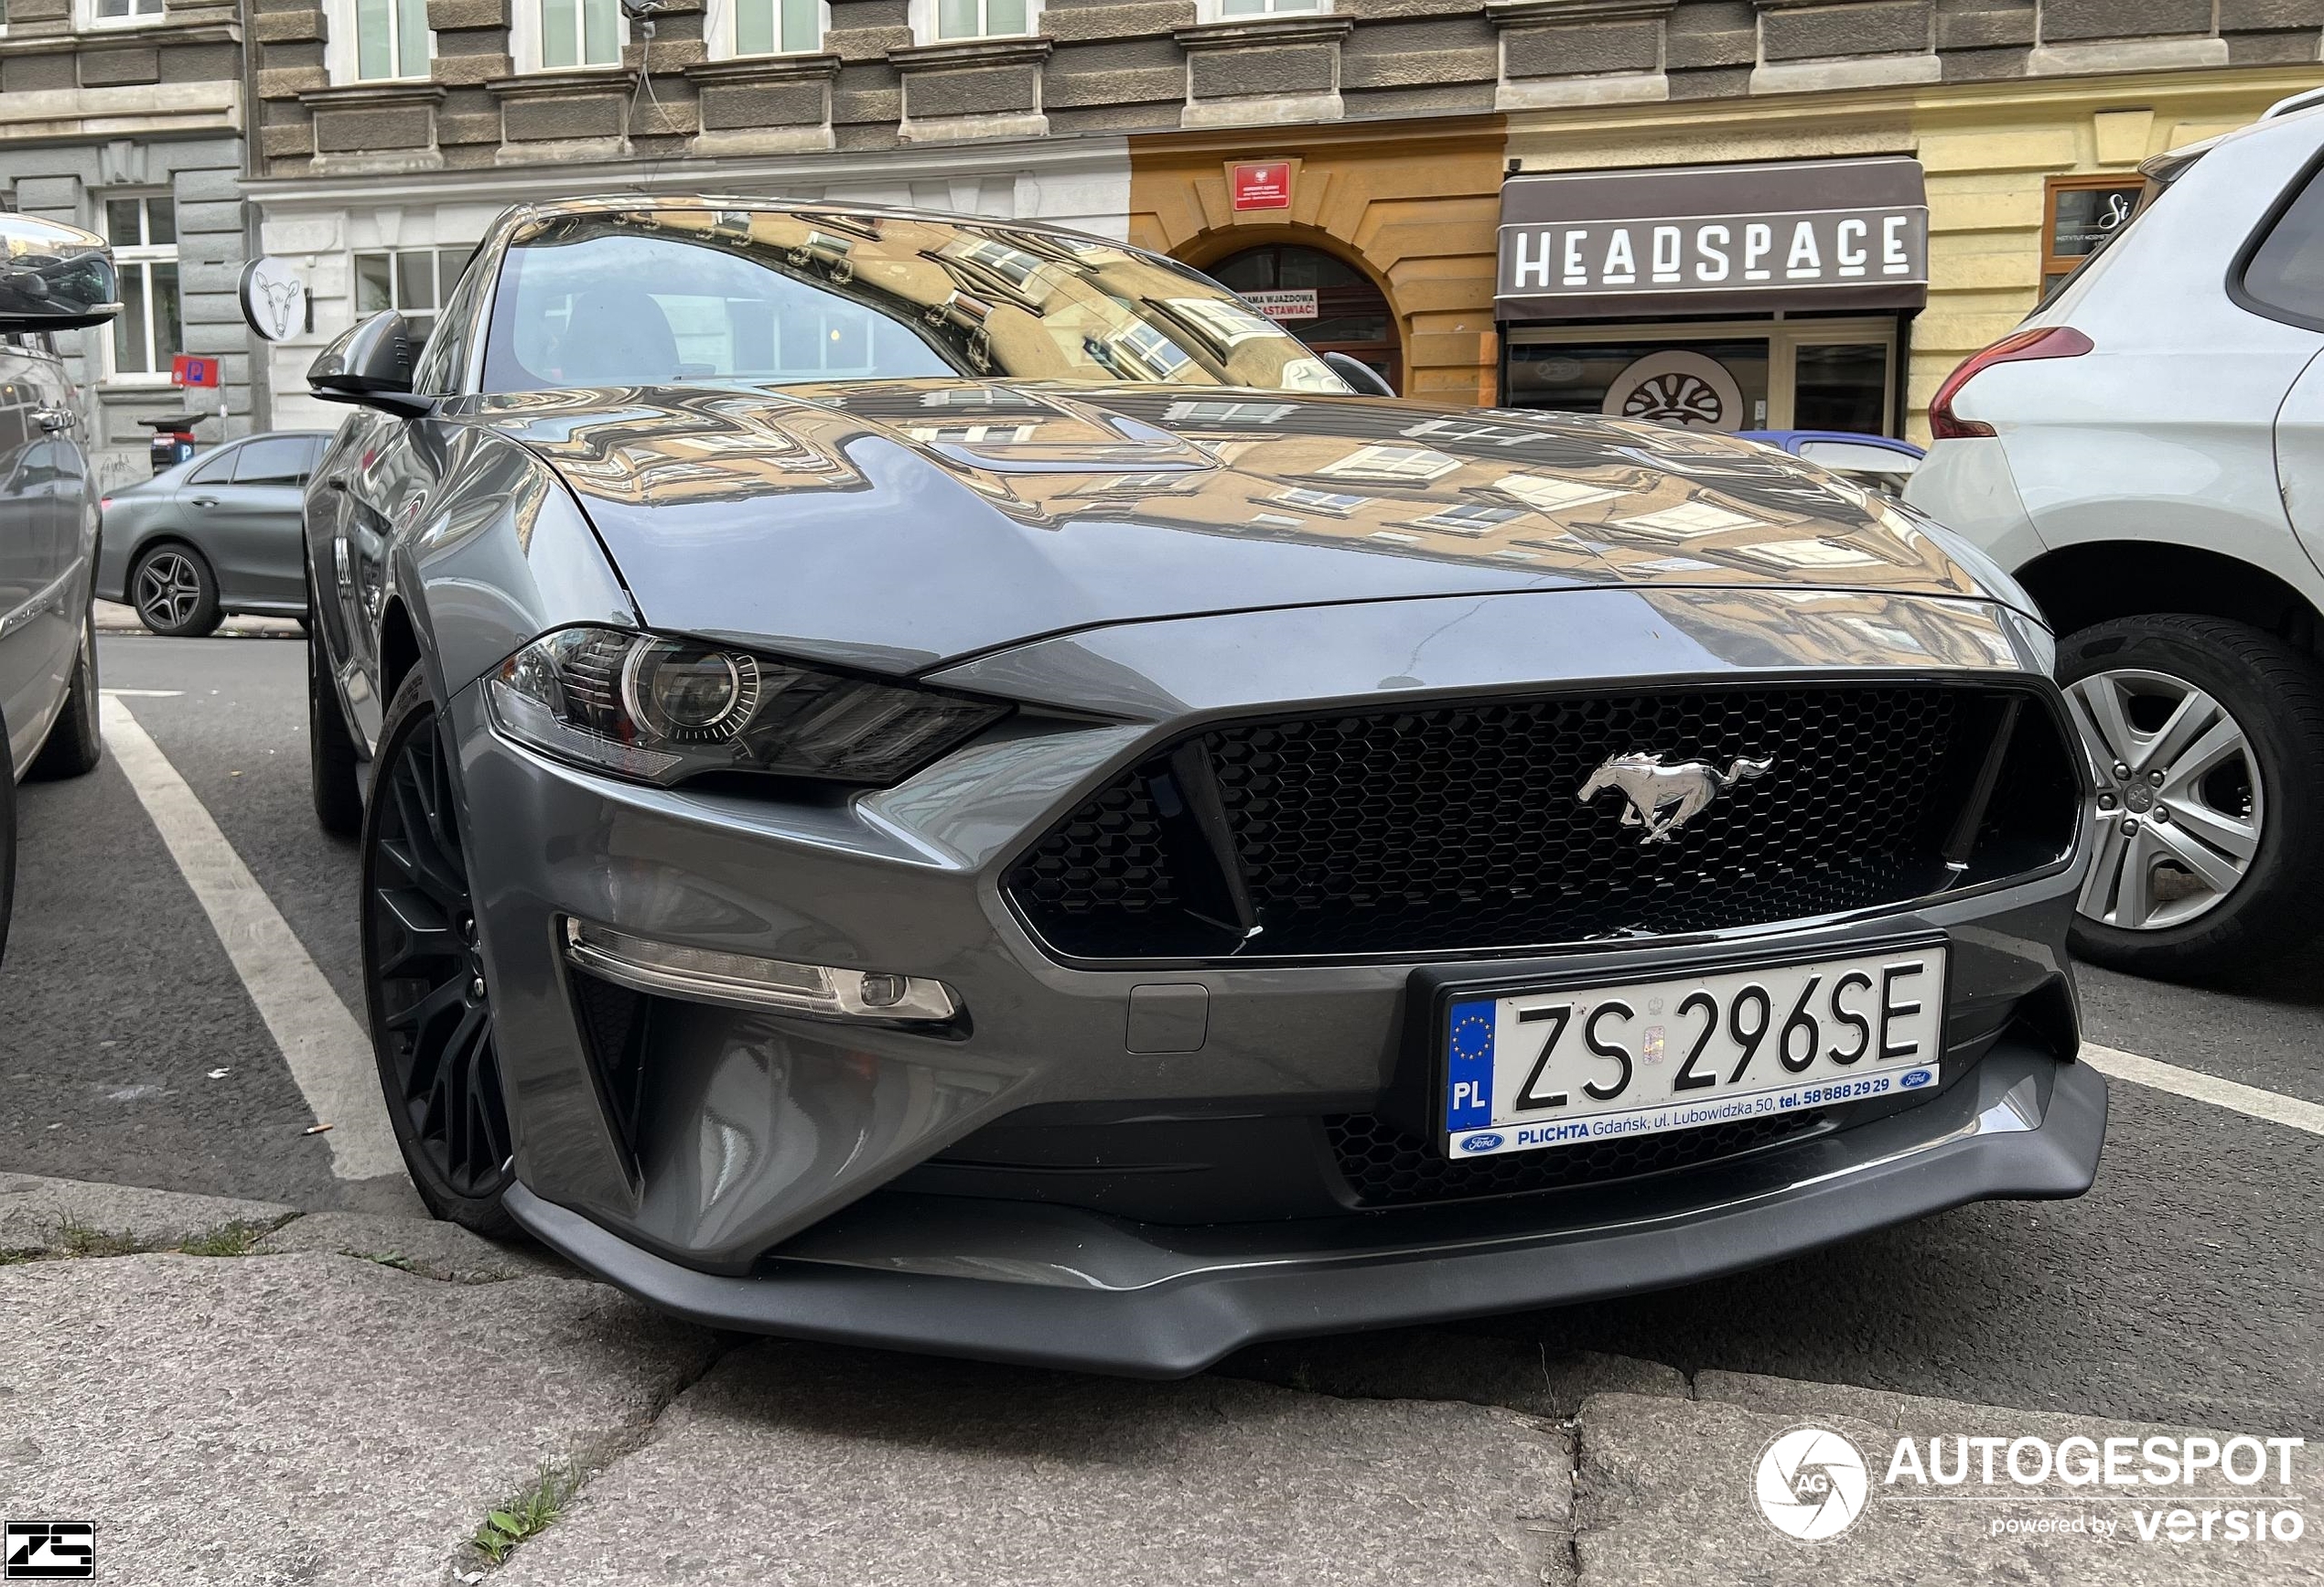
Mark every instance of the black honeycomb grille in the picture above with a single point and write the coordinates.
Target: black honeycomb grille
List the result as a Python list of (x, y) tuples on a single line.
[(1456, 828), (1386, 1167)]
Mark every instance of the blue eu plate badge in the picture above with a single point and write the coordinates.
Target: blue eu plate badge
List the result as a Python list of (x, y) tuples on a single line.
[(1469, 1068)]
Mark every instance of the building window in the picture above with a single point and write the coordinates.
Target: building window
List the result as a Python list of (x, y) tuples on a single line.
[(944, 21), (412, 281), (1234, 10), (579, 33), (391, 40), (2080, 215), (774, 27), (147, 334), (122, 13), (1397, 465)]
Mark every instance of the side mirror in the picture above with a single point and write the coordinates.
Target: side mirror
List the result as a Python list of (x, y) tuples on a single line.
[(370, 366), (54, 276), (1366, 380)]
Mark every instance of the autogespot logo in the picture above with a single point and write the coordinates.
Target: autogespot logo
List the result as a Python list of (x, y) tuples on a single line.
[(1485, 1142), (1812, 1484)]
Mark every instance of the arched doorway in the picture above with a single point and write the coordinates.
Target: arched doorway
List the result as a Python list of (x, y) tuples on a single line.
[(1353, 316)]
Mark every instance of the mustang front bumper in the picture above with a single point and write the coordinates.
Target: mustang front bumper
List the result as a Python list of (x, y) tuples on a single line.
[(839, 1179), (1063, 1287)]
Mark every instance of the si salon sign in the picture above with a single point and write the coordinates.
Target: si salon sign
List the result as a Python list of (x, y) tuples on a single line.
[(1790, 251)]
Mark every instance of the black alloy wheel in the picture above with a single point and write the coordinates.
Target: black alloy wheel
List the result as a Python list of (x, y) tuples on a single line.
[(424, 971), (76, 743), (333, 769), (7, 836)]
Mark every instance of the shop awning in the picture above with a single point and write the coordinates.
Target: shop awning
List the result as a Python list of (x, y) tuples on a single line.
[(1708, 240)]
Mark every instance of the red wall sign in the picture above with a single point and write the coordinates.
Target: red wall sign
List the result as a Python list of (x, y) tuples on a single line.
[(186, 370), (1262, 185)]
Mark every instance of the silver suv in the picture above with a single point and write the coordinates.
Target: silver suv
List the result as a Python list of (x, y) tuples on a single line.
[(2146, 453)]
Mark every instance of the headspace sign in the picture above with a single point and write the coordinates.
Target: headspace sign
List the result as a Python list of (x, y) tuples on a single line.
[(1787, 251)]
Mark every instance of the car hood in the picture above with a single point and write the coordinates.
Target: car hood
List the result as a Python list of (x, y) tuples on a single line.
[(904, 524)]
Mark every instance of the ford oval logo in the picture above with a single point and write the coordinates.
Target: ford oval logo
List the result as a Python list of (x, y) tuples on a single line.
[(1918, 1078), (1488, 1142)]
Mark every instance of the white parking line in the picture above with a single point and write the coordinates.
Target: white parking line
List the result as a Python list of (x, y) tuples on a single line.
[(328, 1056), (2248, 1099)]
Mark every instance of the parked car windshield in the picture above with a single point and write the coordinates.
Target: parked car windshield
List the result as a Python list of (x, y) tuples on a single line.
[(702, 292)]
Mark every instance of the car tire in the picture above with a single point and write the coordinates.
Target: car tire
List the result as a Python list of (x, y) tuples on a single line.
[(425, 987), (173, 592), (76, 739), (7, 838), (2222, 822), (334, 769)]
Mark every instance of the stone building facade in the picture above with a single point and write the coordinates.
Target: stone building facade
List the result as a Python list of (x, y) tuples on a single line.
[(1344, 159), (125, 116), (2027, 120)]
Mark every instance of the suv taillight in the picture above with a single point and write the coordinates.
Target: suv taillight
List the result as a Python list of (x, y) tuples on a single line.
[(2051, 341)]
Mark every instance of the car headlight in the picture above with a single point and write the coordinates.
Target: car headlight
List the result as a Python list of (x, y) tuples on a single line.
[(663, 710)]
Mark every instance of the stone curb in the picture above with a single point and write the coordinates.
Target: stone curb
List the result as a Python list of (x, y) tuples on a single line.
[(113, 617), (57, 1216)]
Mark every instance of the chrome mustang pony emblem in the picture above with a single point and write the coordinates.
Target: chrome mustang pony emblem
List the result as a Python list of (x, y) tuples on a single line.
[(1663, 798)]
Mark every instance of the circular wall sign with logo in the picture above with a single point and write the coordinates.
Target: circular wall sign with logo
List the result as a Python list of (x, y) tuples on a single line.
[(1677, 386), (273, 299), (1811, 1483)]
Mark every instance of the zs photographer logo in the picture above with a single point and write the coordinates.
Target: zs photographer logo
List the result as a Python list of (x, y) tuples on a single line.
[(49, 1552)]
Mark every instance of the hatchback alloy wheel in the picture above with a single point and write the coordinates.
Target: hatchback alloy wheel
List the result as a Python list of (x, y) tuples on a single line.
[(2180, 802), (430, 996)]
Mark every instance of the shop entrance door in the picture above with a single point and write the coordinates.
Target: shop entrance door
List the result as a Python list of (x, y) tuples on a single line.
[(1802, 374), (1350, 316)]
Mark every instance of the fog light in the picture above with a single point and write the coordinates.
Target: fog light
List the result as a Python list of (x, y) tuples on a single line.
[(744, 980)]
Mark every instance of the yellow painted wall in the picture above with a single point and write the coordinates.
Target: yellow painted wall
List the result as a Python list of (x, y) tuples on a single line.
[(1416, 203), (1987, 148)]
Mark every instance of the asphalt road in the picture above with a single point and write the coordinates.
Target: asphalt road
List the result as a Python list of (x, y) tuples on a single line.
[(2187, 1287)]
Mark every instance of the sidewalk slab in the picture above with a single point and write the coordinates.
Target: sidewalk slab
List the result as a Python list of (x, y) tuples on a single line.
[(1667, 1493), (245, 1421), (1417, 1364), (419, 1245), (35, 1213), (824, 1467)]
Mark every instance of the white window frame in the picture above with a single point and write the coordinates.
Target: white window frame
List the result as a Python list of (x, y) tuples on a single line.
[(526, 37), (720, 21), (1258, 10), (923, 17), (89, 21), (448, 276), (128, 257), (342, 50)]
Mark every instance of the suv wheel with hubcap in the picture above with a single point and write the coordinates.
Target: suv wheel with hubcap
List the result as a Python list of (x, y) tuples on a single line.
[(2206, 741)]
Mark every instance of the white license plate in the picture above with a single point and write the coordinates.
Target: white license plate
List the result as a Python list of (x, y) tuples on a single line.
[(1525, 1069)]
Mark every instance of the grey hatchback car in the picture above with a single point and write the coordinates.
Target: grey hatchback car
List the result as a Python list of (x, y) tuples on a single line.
[(216, 534), (945, 783)]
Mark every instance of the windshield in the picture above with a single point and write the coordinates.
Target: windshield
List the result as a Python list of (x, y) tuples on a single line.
[(705, 293)]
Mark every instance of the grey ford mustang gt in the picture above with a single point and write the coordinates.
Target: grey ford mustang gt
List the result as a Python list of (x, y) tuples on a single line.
[(944, 784)]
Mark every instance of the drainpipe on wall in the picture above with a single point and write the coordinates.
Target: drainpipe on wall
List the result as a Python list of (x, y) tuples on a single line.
[(262, 392)]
